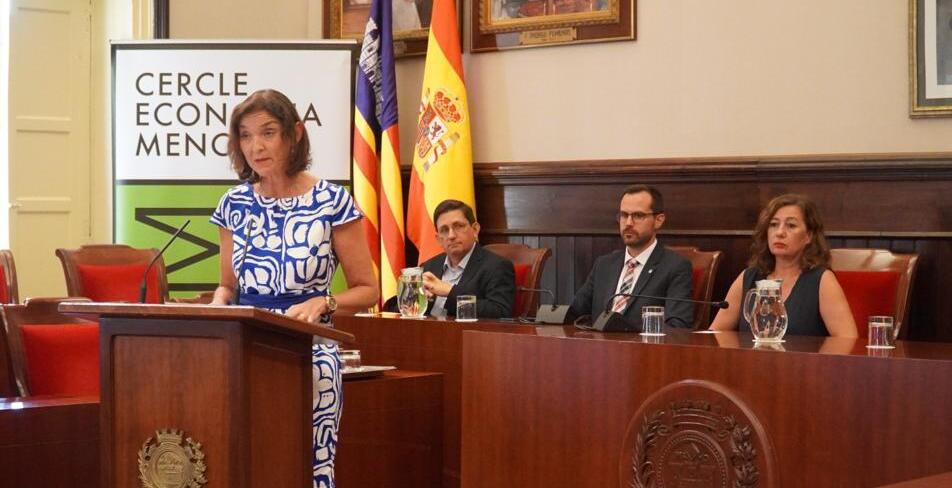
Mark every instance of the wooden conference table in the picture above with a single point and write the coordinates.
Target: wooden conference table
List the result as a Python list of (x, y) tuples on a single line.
[(556, 406), (389, 436)]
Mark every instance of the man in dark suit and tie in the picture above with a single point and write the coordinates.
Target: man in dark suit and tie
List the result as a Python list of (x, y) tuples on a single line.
[(465, 268), (645, 267)]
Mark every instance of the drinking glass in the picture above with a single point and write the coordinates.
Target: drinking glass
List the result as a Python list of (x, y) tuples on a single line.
[(411, 298), (466, 308), (881, 332), (350, 359), (652, 318)]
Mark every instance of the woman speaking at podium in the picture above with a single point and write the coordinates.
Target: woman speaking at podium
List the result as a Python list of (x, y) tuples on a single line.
[(283, 231)]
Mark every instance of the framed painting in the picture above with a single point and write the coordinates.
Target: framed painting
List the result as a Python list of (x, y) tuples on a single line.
[(346, 19), (510, 24), (930, 58)]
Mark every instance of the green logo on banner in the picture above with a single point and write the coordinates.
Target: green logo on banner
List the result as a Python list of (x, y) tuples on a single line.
[(147, 214)]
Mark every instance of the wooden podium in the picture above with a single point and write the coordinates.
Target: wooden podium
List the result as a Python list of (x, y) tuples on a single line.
[(197, 392)]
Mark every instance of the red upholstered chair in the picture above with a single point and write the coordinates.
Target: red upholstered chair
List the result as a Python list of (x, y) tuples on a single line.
[(876, 282), (528, 263), (704, 268), (52, 353), (8, 278), (8, 382), (112, 273)]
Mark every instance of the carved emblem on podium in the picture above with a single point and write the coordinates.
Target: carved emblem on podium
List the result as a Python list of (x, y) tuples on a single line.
[(694, 434), (165, 461)]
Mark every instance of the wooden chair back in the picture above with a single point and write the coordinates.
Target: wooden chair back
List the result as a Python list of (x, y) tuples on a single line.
[(521, 254), (108, 254), (704, 264), (37, 311), (882, 260), (9, 277), (8, 379)]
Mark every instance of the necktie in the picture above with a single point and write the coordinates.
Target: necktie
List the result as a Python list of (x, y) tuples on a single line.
[(627, 282)]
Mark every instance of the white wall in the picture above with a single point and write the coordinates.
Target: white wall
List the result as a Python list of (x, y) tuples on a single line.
[(245, 19), (704, 78), (4, 115), (111, 20)]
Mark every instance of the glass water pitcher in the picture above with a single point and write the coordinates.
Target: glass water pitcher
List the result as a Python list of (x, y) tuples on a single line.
[(765, 312), (410, 294)]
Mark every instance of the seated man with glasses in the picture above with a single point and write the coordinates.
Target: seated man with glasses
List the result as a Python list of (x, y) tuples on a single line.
[(643, 268), (465, 268)]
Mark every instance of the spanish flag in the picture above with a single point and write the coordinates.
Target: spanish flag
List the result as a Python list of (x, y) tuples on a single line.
[(378, 190), (443, 154)]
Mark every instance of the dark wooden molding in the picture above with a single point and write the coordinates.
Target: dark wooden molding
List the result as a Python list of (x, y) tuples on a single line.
[(160, 19), (710, 233), (840, 167), (885, 201)]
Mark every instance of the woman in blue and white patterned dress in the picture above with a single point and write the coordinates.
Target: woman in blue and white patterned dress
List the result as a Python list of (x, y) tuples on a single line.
[(300, 226)]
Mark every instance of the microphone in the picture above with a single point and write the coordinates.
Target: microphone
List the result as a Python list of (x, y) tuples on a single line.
[(548, 314), (244, 255), (145, 277), (715, 304), (610, 321)]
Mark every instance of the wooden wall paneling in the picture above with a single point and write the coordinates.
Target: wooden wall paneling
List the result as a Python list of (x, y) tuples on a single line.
[(550, 277), (893, 201), (605, 244), (584, 259), (566, 265), (855, 242), (886, 206), (903, 245), (879, 244), (552, 264), (931, 308)]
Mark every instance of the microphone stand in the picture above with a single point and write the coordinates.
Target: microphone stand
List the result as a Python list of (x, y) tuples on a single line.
[(143, 285), (552, 314), (241, 265), (609, 320)]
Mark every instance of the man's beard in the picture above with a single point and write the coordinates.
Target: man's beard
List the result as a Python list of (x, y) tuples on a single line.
[(637, 241)]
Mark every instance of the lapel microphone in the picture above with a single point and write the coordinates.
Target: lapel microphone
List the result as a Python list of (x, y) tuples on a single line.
[(143, 286), (610, 321), (244, 255)]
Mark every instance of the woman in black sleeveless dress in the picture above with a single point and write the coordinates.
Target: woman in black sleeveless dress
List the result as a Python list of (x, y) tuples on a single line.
[(789, 245)]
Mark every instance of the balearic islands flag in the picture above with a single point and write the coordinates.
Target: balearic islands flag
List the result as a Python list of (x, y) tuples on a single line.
[(377, 187), (443, 153)]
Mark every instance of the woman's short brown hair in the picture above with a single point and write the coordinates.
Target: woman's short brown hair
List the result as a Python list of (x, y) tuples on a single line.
[(817, 252), (277, 105)]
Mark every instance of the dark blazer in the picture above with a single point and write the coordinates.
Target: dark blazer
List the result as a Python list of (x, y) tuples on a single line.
[(666, 274), (490, 277)]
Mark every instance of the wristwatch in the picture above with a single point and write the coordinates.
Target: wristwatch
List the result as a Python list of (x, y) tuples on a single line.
[(331, 304)]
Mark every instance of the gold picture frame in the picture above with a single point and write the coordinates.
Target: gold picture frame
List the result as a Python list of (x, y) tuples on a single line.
[(346, 19), (930, 58), (510, 24)]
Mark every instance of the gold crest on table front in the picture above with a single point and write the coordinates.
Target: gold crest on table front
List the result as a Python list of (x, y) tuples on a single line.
[(166, 462)]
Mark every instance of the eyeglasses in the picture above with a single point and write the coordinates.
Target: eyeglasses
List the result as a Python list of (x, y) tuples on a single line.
[(636, 216), (456, 226)]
